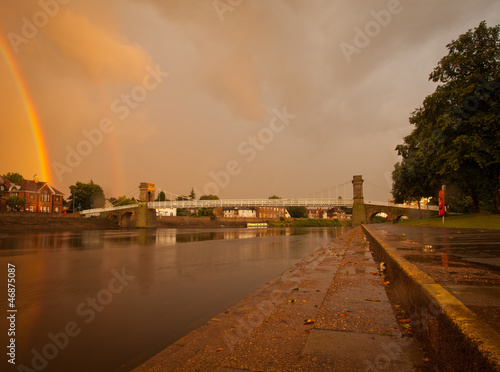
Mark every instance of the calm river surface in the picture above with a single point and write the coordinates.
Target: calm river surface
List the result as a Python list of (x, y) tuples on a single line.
[(109, 300)]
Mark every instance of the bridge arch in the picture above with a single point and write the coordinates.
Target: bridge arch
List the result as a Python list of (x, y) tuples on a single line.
[(376, 213), (125, 219), (400, 216), (113, 218)]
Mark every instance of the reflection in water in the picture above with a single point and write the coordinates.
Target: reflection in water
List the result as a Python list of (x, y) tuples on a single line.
[(175, 281)]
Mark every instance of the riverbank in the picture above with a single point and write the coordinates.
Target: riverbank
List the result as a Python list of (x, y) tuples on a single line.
[(38, 222), (328, 312), (308, 222), (476, 221)]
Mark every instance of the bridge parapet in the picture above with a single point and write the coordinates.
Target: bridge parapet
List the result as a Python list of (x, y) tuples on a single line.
[(293, 202)]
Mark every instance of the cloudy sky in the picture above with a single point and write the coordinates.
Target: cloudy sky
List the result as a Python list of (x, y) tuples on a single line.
[(243, 98)]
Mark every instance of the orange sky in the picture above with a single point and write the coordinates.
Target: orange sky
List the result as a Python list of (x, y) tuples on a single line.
[(175, 92)]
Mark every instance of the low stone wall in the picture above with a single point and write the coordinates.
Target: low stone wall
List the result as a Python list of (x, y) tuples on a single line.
[(44, 221), (458, 340), (37, 214), (185, 221)]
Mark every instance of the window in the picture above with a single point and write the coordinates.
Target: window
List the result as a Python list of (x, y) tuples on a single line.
[(57, 199), (32, 196), (56, 209), (31, 208), (45, 197)]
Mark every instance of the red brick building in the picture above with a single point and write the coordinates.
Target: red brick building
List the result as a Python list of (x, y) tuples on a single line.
[(39, 196)]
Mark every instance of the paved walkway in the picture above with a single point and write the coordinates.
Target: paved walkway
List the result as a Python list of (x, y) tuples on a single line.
[(329, 312), (449, 280)]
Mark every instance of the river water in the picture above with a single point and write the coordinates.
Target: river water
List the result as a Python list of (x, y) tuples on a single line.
[(109, 300)]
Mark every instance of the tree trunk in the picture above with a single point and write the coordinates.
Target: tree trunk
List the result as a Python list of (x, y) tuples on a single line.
[(419, 210), (475, 201), (496, 201)]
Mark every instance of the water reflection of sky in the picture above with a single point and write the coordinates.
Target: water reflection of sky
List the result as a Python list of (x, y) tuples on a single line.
[(182, 277)]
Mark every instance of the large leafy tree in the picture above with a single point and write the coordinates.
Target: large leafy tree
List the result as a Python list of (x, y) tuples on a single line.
[(86, 195), (457, 129), (297, 212), (14, 177)]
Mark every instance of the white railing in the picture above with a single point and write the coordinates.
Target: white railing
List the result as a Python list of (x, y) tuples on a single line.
[(388, 204), (225, 203), (242, 203), (98, 211)]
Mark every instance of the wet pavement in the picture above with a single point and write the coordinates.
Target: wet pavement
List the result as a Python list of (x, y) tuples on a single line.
[(464, 261), (456, 272), (329, 312), (472, 245)]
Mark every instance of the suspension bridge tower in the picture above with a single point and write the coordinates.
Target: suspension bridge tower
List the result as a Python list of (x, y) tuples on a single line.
[(145, 217), (358, 202)]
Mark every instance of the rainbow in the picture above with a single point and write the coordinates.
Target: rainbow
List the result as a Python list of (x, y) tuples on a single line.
[(29, 107)]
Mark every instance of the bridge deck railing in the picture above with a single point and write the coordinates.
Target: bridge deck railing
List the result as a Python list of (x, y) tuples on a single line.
[(225, 203), (388, 204), (248, 203), (97, 211)]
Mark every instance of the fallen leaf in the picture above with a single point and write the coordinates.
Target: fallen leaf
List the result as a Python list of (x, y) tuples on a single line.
[(373, 272), (303, 300), (404, 321), (307, 330), (295, 289), (426, 359), (343, 314), (219, 349), (292, 300), (386, 283), (309, 321), (373, 300), (406, 325)]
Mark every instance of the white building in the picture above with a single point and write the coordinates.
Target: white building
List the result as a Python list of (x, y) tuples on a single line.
[(171, 212)]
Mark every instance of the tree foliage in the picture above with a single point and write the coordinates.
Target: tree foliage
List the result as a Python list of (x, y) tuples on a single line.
[(297, 212), (192, 194), (123, 200), (15, 203), (206, 212), (274, 197), (457, 129), (161, 196), (209, 197), (14, 177), (87, 195)]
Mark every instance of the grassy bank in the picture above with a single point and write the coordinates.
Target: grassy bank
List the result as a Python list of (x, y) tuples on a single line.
[(477, 221), (309, 222)]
